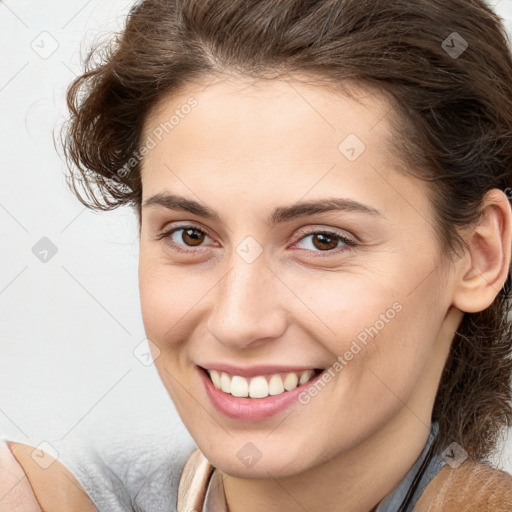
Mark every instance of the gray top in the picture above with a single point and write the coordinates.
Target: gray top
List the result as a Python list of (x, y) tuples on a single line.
[(395, 499), (145, 478)]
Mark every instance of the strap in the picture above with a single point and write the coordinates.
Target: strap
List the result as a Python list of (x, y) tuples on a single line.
[(414, 485), (194, 482)]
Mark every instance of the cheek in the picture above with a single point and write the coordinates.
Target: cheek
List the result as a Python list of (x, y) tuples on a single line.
[(382, 327), (394, 303), (166, 297), (350, 308), (397, 356)]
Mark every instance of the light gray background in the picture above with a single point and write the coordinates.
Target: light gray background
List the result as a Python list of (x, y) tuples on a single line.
[(69, 326)]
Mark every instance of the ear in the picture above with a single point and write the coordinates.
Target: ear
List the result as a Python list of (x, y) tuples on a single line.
[(484, 268)]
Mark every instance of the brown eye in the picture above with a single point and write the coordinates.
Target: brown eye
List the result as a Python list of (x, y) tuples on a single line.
[(322, 241), (193, 237), (182, 237), (325, 241)]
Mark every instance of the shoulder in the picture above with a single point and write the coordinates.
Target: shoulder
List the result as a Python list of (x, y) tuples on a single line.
[(34, 480), (471, 486)]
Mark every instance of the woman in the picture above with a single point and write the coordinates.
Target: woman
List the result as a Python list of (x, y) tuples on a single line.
[(322, 190)]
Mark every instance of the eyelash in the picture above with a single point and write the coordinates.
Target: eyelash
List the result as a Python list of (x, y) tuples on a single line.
[(349, 243)]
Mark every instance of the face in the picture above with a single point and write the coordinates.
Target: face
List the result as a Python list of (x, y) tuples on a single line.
[(290, 243)]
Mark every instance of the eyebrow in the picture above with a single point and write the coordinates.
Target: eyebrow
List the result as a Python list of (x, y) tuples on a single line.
[(280, 214)]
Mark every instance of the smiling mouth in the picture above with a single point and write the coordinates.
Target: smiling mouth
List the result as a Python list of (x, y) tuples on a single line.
[(260, 386)]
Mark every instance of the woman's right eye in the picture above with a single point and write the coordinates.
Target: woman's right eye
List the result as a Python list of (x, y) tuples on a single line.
[(183, 236)]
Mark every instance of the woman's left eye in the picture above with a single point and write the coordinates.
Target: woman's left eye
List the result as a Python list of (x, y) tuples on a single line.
[(327, 241)]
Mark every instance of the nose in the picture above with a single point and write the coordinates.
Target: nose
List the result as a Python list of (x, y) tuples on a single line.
[(247, 306)]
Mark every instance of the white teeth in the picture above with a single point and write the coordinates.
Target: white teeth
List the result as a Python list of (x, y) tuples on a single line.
[(275, 385), (225, 383), (291, 381), (306, 376), (258, 387), (239, 386), (215, 378)]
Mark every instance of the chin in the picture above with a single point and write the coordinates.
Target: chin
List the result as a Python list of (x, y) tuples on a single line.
[(247, 462)]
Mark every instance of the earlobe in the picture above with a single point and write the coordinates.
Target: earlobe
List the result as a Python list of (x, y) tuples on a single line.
[(484, 268)]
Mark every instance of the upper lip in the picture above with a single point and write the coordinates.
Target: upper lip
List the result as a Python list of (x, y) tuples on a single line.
[(253, 371)]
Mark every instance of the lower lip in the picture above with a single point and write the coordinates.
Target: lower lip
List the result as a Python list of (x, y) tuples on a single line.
[(252, 409)]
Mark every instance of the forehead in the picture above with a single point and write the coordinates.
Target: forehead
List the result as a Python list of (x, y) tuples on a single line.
[(277, 141), (266, 123), (294, 116)]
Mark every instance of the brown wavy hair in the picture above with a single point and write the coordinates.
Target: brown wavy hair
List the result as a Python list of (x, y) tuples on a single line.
[(453, 128)]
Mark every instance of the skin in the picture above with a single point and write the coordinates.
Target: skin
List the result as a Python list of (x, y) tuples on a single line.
[(34, 480), (245, 149)]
